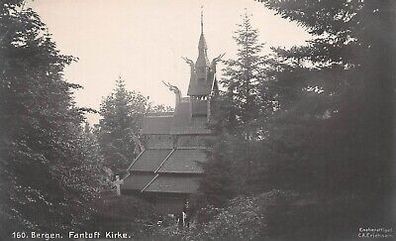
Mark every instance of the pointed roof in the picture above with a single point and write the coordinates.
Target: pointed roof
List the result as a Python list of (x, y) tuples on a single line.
[(199, 88), (202, 77), (175, 164), (202, 59)]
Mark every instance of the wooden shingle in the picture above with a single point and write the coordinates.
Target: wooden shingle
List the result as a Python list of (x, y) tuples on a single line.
[(184, 161), (150, 160), (174, 184)]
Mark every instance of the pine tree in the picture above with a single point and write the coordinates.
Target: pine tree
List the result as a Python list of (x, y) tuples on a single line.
[(122, 114), (346, 87), (238, 115), (218, 184), (46, 184), (331, 136), (242, 80)]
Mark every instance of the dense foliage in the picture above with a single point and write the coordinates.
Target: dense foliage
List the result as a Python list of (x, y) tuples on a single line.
[(327, 131), (121, 121), (243, 218), (49, 171), (124, 214), (304, 137), (242, 100), (333, 130), (118, 130), (238, 112)]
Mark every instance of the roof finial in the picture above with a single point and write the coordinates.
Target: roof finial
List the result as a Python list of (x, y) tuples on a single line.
[(201, 19)]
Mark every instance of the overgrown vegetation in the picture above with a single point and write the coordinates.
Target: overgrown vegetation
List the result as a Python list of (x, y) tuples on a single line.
[(124, 214), (49, 169), (118, 130), (54, 176), (304, 147), (321, 126)]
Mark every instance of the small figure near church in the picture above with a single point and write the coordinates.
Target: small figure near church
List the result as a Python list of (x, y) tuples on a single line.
[(168, 169), (185, 215)]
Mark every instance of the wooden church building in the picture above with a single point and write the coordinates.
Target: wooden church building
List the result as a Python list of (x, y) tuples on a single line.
[(169, 169)]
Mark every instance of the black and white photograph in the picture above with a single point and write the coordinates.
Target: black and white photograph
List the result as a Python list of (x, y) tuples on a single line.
[(198, 120)]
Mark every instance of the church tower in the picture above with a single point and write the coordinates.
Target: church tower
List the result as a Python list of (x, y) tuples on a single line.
[(168, 170), (203, 81), (202, 63)]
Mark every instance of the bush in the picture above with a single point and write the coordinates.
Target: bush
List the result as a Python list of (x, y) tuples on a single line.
[(125, 214), (243, 218), (276, 215)]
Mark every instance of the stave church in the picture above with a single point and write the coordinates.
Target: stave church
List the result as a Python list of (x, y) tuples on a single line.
[(168, 171)]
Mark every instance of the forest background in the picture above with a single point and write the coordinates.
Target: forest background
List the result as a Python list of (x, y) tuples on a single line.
[(305, 134)]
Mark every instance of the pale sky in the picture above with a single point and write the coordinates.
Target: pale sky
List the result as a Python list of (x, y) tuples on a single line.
[(143, 40)]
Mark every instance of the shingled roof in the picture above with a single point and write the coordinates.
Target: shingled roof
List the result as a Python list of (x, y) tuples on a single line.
[(184, 161), (137, 181), (153, 170), (157, 124), (150, 160), (202, 76), (199, 86), (174, 184), (181, 123), (174, 170), (177, 170)]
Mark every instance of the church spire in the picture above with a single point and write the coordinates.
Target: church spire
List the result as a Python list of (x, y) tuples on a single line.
[(202, 60), (202, 77)]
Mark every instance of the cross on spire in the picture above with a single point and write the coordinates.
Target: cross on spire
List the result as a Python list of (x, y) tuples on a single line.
[(202, 19)]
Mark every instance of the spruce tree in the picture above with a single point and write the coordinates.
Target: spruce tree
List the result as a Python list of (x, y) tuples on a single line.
[(119, 129), (332, 136), (346, 88), (46, 184), (242, 79), (238, 112)]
